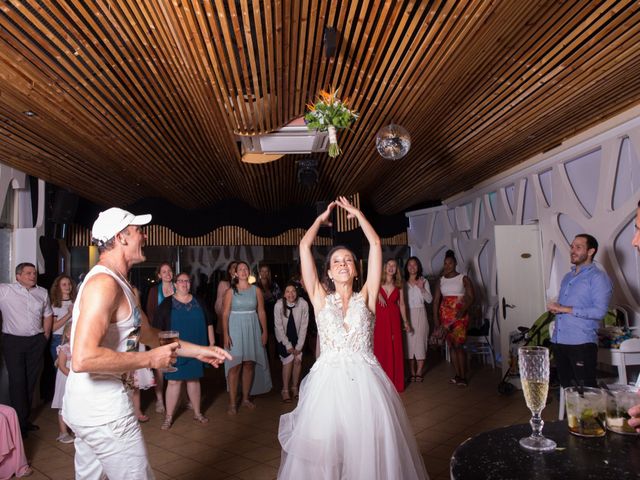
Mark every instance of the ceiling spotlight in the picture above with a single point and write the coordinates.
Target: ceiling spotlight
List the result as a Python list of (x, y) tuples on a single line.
[(308, 172), (30, 113)]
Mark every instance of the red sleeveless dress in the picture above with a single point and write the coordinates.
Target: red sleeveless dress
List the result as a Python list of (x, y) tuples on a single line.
[(387, 338)]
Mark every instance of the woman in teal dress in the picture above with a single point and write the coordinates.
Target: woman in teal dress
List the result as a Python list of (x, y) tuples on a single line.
[(185, 314), (244, 325)]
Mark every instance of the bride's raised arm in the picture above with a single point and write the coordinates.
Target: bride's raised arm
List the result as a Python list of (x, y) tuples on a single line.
[(374, 265), (308, 265)]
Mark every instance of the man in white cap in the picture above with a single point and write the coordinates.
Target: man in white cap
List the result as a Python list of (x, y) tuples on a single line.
[(107, 326)]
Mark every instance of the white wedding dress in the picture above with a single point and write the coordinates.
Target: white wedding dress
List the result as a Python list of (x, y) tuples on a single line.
[(350, 422)]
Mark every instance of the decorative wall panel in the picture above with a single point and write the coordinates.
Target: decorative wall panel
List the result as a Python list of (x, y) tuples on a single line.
[(592, 187)]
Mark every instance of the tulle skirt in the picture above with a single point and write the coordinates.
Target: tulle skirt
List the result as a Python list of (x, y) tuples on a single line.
[(349, 424)]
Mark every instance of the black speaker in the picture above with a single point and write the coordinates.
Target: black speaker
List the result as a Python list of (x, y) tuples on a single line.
[(65, 205), (330, 41), (308, 172)]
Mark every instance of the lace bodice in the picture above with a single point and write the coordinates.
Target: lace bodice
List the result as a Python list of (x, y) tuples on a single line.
[(351, 334)]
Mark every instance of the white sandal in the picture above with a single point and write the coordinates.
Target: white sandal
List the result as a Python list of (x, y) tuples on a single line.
[(166, 424)]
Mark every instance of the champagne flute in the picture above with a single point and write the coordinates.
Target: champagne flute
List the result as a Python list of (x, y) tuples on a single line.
[(534, 374), (166, 337)]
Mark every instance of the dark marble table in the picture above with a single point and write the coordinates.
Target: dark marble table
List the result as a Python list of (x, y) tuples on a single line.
[(497, 455)]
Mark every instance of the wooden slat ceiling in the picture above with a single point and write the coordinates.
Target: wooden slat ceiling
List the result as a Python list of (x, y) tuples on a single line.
[(144, 98)]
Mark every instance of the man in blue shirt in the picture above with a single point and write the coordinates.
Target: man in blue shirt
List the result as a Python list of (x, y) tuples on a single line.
[(582, 304), (634, 412)]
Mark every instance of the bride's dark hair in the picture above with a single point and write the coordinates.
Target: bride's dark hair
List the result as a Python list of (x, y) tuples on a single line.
[(327, 283)]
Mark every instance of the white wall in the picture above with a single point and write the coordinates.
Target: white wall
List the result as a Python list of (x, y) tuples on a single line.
[(591, 183), (19, 238)]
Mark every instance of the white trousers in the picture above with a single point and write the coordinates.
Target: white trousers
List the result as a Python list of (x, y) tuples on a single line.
[(115, 451)]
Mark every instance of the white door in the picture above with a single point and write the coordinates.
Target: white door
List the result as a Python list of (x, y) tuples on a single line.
[(521, 297)]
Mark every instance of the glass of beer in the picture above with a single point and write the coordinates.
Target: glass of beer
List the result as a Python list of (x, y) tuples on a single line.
[(166, 337), (534, 374)]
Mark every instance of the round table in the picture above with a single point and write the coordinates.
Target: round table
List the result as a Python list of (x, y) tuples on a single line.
[(497, 455)]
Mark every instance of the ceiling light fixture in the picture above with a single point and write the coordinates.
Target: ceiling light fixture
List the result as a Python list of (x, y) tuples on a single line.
[(30, 113), (393, 142)]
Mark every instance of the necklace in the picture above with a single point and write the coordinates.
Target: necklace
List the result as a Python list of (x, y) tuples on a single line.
[(122, 277)]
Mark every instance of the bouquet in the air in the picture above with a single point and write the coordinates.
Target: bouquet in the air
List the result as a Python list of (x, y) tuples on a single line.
[(327, 115)]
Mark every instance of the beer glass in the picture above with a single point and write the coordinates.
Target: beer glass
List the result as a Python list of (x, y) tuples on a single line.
[(166, 337)]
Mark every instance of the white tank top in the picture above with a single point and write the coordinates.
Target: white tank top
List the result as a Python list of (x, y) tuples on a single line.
[(99, 398), (452, 287)]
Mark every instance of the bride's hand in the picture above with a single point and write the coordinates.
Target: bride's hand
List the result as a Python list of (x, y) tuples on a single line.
[(325, 216), (345, 204)]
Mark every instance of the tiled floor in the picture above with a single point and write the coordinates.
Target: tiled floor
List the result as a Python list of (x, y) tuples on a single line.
[(246, 446)]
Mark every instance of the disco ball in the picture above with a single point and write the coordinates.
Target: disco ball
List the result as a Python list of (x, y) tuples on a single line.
[(393, 142)]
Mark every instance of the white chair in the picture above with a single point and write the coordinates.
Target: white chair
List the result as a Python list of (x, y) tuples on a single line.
[(629, 355)]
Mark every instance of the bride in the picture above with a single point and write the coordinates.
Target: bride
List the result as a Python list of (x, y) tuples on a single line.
[(349, 422)]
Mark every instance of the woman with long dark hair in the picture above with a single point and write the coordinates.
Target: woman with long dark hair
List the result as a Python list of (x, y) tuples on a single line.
[(350, 421), (244, 326), (271, 293), (223, 286), (418, 292), (291, 319)]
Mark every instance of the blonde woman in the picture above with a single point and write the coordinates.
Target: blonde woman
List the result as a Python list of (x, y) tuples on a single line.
[(62, 294), (391, 316)]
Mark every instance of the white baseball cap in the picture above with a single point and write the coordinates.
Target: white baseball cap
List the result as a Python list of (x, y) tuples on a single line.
[(112, 221)]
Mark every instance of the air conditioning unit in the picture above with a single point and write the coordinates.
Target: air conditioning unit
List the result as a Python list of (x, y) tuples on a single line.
[(293, 138)]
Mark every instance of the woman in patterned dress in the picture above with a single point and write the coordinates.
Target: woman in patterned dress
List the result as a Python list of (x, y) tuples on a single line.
[(451, 302)]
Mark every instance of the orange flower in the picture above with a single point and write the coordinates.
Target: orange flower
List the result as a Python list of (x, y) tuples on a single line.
[(328, 97)]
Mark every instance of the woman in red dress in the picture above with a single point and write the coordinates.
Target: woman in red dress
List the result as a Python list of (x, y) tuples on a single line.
[(387, 334)]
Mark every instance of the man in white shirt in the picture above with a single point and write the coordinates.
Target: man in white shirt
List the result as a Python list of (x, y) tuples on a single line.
[(107, 327), (27, 319)]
